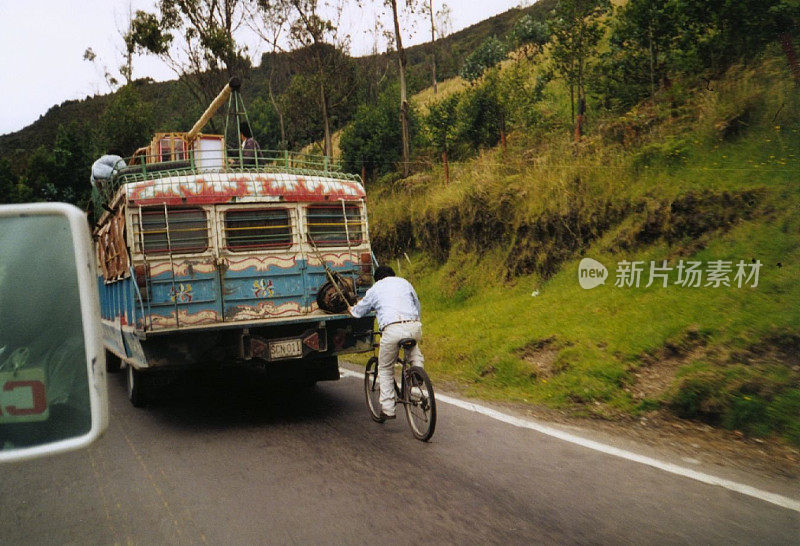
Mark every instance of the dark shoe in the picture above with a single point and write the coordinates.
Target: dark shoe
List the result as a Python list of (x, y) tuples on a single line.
[(386, 417)]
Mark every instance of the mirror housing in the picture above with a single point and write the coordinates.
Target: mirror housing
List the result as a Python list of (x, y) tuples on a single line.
[(53, 394)]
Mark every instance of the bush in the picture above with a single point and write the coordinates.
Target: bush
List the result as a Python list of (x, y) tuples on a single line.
[(529, 33), (755, 401), (697, 396), (265, 124), (464, 122), (485, 56), (784, 413), (127, 122), (747, 413), (440, 123), (373, 139)]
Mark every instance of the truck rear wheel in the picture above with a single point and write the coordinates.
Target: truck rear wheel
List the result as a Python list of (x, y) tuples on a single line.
[(136, 388)]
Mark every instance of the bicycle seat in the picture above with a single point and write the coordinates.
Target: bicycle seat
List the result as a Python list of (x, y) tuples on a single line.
[(407, 343)]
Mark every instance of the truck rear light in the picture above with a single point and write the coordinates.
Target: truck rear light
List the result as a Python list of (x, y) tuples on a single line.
[(312, 341), (339, 339), (316, 340)]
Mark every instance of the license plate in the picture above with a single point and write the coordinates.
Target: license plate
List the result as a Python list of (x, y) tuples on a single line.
[(23, 396), (288, 348)]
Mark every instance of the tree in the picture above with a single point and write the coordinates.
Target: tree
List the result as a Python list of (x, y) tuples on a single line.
[(404, 108), (576, 31), (74, 151), (270, 20), (368, 143), (489, 53), (716, 32), (301, 106), (375, 67), (642, 49), (127, 122), (90, 56), (786, 19), (480, 119), (319, 52), (653, 41), (444, 21), (530, 35), (196, 39), (266, 124), (441, 123), (126, 69), (61, 172), (8, 182), (316, 35), (650, 26), (443, 13), (302, 102), (42, 173)]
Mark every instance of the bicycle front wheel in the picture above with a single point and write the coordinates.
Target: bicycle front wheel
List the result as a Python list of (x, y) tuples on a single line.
[(372, 389), (421, 406)]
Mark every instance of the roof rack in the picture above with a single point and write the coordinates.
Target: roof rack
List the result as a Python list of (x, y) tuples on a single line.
[(193, 153)]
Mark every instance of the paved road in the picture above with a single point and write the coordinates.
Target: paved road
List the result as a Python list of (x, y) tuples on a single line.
[(232, 463)]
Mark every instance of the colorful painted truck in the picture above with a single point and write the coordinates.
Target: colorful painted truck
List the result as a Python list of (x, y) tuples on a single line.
[(209, 258)]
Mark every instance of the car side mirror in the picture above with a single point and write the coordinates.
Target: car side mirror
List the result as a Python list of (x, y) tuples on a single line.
[(53, 395)]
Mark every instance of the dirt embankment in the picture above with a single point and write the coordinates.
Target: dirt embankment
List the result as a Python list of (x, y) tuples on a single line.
[(541, 244)]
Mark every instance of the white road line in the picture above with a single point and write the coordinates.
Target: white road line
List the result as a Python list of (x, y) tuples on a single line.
[(779, 500)]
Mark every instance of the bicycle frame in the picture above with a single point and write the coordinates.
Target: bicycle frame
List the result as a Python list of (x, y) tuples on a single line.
[(399, 390), (411, 377)]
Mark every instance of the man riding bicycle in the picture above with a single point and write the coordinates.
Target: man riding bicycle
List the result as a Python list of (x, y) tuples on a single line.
[(397, 306)]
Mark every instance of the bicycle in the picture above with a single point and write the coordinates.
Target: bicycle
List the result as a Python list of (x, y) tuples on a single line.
[(415, 392)]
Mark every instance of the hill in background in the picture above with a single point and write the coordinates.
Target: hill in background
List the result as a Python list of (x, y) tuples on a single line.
[(172, 107)]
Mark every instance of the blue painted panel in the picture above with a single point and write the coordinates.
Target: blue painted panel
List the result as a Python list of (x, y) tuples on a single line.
[(259, 292), (251, 286), (190, 297), (133, 348), (117, 300), (112, 338)]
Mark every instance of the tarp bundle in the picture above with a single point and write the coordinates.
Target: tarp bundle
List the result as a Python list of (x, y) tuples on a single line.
[(105, 167)]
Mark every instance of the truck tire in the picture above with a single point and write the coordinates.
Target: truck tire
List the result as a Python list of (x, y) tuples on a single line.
[(136, 387), (328, 298)]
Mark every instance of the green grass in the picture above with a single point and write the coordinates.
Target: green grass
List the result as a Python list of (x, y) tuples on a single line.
[(691, 190), (475, 324)]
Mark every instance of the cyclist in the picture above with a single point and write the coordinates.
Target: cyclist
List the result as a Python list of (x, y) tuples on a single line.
[(397, 306)]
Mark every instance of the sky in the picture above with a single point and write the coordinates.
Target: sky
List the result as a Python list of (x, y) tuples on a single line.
[(42, 43)]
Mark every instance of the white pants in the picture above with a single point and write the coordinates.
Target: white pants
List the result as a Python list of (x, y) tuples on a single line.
[(387, 356)]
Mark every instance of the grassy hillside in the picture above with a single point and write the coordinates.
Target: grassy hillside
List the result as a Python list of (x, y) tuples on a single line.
[(495, 257)]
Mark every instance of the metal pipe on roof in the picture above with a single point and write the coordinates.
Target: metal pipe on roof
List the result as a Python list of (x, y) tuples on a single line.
[(231, 86)]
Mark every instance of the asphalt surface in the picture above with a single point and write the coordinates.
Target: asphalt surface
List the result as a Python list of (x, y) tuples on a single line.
[(232, 461)]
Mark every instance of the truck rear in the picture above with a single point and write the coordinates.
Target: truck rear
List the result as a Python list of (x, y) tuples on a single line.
[(208, 259)]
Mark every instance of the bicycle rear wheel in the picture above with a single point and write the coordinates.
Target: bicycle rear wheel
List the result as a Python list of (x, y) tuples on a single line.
[(421, 406), (372, 389)]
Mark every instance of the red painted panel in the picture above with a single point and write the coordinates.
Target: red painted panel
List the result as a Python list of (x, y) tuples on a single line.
[(211, 188)]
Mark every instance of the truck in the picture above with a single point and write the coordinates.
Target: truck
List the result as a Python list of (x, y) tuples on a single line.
[(208, 257)]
